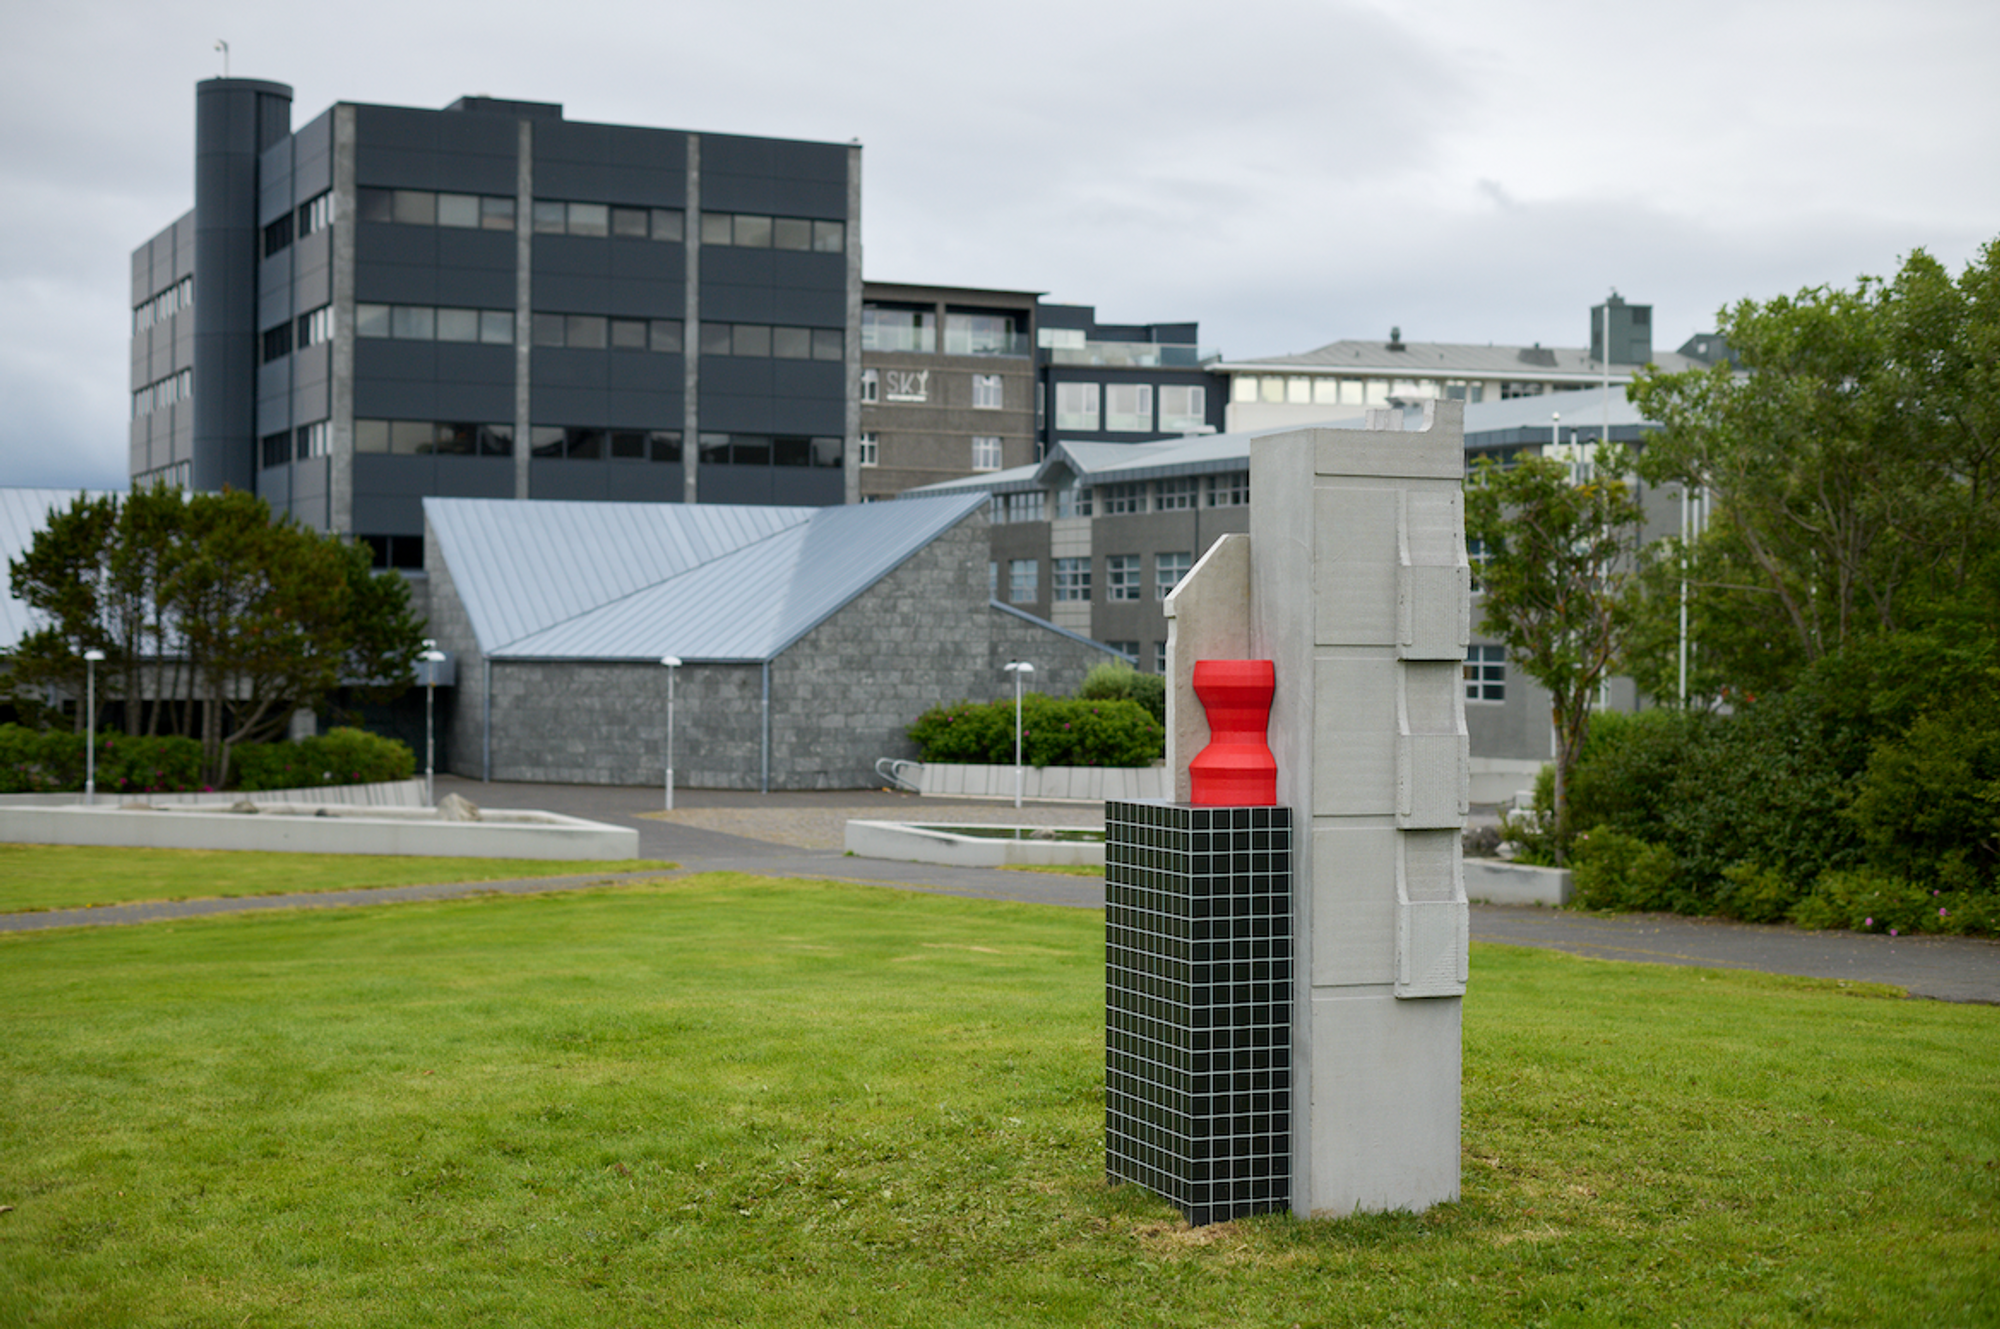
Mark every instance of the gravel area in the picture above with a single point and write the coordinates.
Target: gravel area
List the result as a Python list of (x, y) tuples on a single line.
[(826, 827)]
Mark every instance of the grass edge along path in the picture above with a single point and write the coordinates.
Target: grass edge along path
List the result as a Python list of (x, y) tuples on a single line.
[(40, 877), (736, 1100)]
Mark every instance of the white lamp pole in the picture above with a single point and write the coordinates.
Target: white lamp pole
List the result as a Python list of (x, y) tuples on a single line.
[(432, 657), (1019, 669), (673, 664), (90, 659)]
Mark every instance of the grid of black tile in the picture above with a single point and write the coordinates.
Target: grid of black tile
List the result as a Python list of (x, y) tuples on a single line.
[(1198, 1005)]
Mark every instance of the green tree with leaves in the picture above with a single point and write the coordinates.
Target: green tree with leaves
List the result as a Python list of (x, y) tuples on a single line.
[(1558, 545)]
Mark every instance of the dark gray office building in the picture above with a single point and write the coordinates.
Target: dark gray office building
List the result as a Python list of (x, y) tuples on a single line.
[(1121, 382), (491, 301)]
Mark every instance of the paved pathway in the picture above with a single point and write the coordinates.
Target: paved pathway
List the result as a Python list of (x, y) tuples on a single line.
[(795, 835)]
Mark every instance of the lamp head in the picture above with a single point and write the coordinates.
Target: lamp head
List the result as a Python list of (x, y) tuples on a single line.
[(671, 661), (93, 655), (1019, 667)]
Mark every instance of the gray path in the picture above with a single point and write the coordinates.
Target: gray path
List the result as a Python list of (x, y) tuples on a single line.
[(1948, 968)]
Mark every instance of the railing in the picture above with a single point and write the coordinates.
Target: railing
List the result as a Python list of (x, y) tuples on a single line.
[(1134, 354)]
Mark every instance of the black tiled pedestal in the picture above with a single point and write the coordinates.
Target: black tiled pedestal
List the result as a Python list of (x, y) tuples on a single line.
[(1198, 1005)]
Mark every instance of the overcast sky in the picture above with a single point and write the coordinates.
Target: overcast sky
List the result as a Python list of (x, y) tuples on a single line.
[(1288, 172)]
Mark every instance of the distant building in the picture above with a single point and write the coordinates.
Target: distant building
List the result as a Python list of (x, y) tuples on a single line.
[(1349, 376), (1121, 382), (493, 301)]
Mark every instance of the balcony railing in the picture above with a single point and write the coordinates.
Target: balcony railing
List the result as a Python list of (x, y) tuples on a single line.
[(1133, 354)]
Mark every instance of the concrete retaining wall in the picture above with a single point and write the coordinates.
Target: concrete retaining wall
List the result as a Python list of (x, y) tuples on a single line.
[(1082, 784), (1493, 881), (909, 843), (556, 837)]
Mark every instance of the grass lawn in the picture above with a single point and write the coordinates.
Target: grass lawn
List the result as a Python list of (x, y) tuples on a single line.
[(728, 1100), (46, 876)]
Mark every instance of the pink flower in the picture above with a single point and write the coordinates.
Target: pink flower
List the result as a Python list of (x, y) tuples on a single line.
[(1944, 913), (1867, 922), (1892, 932)]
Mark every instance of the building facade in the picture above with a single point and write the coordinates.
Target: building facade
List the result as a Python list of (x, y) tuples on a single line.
[(1121, 382), (947, 385), (493, 301)]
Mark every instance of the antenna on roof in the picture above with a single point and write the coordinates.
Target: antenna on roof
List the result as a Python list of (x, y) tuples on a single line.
[(223, 47)]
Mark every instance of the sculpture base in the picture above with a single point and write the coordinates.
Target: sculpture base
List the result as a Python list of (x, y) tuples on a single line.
[(1198, 1005)]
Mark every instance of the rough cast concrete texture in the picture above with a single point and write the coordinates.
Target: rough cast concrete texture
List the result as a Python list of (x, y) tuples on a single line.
[(842, 696)]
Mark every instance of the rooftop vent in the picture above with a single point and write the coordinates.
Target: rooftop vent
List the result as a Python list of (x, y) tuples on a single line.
[(1396, 339)]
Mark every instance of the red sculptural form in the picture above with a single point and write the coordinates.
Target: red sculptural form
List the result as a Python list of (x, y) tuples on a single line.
[(1236, 769)]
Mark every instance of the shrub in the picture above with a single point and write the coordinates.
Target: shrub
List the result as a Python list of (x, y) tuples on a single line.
[(1114, 680), (1071, 732), (1612, 870), (52, 761), (339, 756), (1869, 900)]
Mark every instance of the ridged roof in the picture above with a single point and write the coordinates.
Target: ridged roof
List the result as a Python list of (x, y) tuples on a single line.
[(1426, 359), (637, 581)]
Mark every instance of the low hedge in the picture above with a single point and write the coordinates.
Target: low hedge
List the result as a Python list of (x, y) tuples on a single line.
[(1054, 732), (50, 761)]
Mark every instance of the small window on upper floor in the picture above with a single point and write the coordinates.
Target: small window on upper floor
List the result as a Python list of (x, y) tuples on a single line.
[(986, 392), (633, 222), (461, 210), (871, 385), (278, 235), (985, 453), (315, 214), (867, 451)]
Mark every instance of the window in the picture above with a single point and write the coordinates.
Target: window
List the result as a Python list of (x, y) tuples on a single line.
[(1168, 569), (278, 235), (1231, 489), (316, 213), (572, 217), (277, 342), (755, 231), (1121, 577), (1072, 579), (1177, 494), (277, 448), (164, 306), (1183, 408), (1160, 657), (584, 332), (1485, 673), (1076, 406), (1123, 499), (315, 327), (1244, 387), (1129, 407), (1020, 505), (1021, 579), (993, 579), (431, 438), (314, 440), (664, 334), (969, 333), (898, 328), (1128, 649), (867, 451), (413, 322), (459, 210), (985, 453), (760, 341), (761, 450), (986, 392), (871, 385), (1073, 500)]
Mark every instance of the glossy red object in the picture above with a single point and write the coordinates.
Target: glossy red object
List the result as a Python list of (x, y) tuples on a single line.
[(1236, 769)]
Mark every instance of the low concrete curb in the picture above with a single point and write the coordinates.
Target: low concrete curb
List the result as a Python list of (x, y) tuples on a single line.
[(1493, 881), (910, 843), (549, 836), (1090, 784)]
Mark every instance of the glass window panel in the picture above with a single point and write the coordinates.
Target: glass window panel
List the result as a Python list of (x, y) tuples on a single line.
[(628, 445), (717, 228), (545, 441), (791, 343), (548, 329), (1326, 392), (714, 449), (496, 326), (584, 331), (827, 451), (417, 207), (458, 210), (666, 335), (551, 217), (753, 232), (829, 344), (457, 440), (375, 205), (715, 339), (589, 219), (1076, 406), (752, 339), (1298, 390), (496, 214), (371, 320), (1128, 406), (371, 435), (1270, 389), (628, 334), (629, 221), (412, 437), (458, 325), (664, 445), (829, 237), (1183, 408), (791, 233), (584, 444), (667, 224), (1377, 392), (412, 322), (496, 440), (791, 452), (750, 450)]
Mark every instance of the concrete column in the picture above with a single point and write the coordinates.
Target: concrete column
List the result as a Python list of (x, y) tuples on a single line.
[(524, 306)]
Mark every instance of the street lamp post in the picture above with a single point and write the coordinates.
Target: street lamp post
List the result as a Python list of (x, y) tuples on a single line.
[(90, 659), (673, 664), (432, 657), (1019, 669)]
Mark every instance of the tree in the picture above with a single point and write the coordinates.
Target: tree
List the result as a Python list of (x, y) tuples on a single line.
[(61, 578), (1854, 470), (1558, 549)]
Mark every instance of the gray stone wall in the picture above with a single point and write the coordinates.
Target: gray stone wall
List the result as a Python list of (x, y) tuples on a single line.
[(446, 622), (605, 723)]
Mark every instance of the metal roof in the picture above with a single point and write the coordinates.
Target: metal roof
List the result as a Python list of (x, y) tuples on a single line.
[(1421, 359), (637, 581), (23, 512)]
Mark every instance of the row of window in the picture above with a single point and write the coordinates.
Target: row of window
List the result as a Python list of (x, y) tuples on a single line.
[(1124, 577), (757, 340), (1128, 407), (966, 332), (315, 214), (763, 450), (1325, 390), (306, 330), (164, 306), (914, 385), (985, 452), (743, 230), (1181, 493), (592, 332), (313, 440), (157, 396)]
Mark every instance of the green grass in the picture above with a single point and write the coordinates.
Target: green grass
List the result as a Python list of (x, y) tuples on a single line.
[(39, 876), (737, 1101)]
